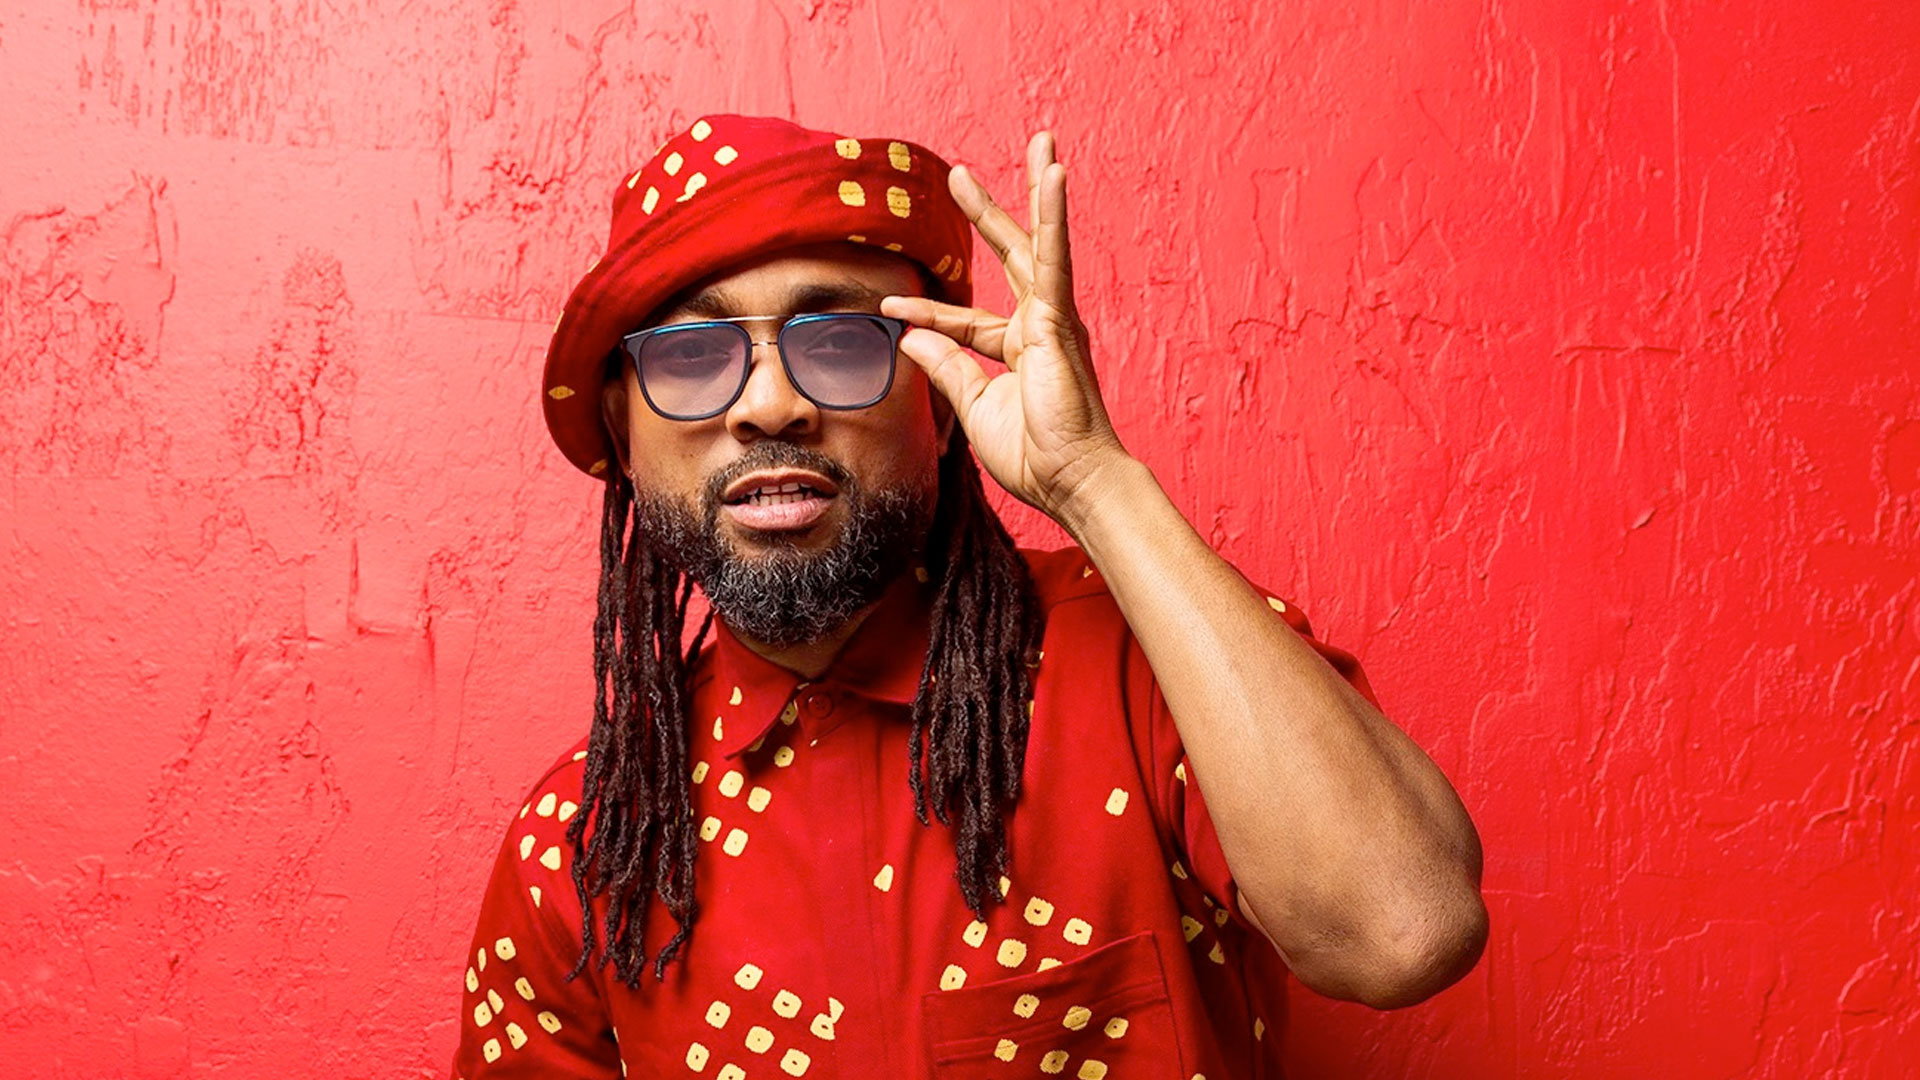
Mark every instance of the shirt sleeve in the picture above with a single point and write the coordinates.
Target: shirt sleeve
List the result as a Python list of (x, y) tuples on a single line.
[(523, 1017), (1175, 787)]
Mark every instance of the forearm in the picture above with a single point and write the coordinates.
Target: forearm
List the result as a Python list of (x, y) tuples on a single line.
[(1350, 848)]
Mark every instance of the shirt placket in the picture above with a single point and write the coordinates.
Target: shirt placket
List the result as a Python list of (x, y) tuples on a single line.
[(852, 869)]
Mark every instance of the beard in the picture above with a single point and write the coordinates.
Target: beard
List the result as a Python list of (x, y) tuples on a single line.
[(787, 596)]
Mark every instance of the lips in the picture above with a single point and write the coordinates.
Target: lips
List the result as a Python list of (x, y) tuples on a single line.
[(781, 500)]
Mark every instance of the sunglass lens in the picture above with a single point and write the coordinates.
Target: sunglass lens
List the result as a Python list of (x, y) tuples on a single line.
[(692, 371), (840, 361)]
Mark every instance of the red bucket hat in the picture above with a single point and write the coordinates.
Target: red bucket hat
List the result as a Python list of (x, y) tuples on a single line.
[(729, 189)]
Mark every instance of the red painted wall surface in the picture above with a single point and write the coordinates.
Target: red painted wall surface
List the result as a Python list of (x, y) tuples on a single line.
[(1559, 358)]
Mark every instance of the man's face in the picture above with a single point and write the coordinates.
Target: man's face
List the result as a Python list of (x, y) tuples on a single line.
[(791, 517)]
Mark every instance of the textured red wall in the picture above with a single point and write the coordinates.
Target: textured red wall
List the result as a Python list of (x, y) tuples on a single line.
[(1560, 358)]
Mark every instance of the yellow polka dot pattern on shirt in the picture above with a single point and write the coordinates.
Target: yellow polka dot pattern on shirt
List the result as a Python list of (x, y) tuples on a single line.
[(760, 1038)]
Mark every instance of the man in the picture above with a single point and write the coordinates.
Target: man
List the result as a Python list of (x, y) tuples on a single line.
[(924, 805)]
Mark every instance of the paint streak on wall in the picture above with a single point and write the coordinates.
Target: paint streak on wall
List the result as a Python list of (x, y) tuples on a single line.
[(1559, 358)]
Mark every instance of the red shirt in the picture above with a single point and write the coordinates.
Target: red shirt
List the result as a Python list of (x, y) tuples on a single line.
[(832, 941)]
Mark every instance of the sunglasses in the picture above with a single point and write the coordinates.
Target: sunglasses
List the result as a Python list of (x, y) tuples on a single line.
[(696, 370)]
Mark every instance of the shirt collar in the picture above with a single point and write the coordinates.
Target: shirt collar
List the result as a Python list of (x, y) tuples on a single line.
[(882, 661)]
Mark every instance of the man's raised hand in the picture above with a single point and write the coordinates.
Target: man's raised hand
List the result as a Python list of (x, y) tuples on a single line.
[(1039, 428)]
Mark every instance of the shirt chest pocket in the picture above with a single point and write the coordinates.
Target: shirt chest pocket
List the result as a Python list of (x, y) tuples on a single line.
[(1103, 1015)]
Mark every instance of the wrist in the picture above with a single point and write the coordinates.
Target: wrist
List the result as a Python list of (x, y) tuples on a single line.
[(1111, 490)]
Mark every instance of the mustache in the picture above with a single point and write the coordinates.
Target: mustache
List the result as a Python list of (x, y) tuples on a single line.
[(773, 453)]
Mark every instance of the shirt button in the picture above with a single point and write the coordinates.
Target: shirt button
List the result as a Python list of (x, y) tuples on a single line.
[(817, 704)]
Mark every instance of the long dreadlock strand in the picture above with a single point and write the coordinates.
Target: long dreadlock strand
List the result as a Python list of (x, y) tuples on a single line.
[(636, 788), (968, 740)]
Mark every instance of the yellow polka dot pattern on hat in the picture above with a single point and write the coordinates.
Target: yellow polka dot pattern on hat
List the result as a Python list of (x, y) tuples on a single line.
[(899, 156), (700, 130), (560, 393), (726, 155), (852, 193), (694, 184), (899, 202), (651, 200), (671, 166), (847, 148)]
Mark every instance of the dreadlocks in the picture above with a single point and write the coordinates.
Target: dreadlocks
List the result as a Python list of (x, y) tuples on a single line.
[(635, 836)]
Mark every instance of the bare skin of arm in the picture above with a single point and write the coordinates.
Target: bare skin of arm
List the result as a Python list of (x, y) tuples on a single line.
[(1352, 852)]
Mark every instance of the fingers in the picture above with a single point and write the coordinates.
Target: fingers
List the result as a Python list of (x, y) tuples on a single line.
[(1040, 154), (1052, 254), (1010, 243), (951, 369), (981, 331)]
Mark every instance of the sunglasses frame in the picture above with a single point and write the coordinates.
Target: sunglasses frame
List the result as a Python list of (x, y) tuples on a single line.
[(630, 345)]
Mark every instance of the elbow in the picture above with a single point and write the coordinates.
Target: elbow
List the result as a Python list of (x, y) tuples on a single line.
[(1403, 959), (1427, 954)]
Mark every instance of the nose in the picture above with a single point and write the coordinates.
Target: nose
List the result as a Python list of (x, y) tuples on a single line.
[(769, 406)]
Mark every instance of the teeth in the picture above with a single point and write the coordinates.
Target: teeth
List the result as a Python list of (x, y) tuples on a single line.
[(780, 496)]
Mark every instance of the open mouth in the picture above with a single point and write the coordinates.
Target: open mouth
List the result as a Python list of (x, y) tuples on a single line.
[(775, 487), (779, 494), (783, 500)]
